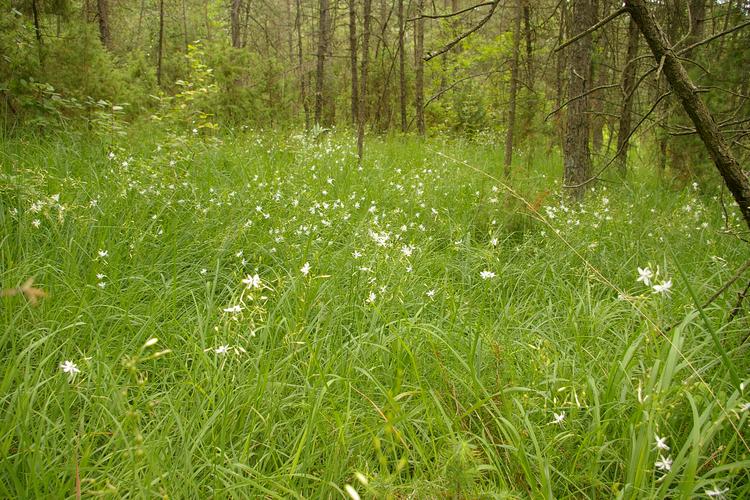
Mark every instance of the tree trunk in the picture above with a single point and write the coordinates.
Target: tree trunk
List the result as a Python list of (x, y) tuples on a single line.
[(322, 50), (362, 111), (576, 154), (734, 177), (353, 59), (628, 86), (301, 62), (160, 50), (401, 64), (513, 88), (102, 13), (38, 33), (234, 18), (419, 67), (527, 30)]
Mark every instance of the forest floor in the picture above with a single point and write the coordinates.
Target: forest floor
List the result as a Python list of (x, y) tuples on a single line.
[(257, 316)]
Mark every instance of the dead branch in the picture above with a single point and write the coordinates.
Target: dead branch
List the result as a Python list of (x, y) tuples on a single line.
[(445, 48), (590, 30), (452, 14)]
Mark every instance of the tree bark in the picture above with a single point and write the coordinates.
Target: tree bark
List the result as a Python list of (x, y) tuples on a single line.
[(513, 88), (234, 18), (160, 50), (401, 64), (322, 50), (353, 59), (102, 13), (362, 111), (419, 68), (576, 153), (527, 30), (734, 177), (38, 33), (628, 85), (301, 62)]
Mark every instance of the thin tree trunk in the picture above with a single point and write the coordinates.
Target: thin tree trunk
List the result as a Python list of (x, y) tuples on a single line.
[(301, 62), (628, 84), (37, 32), (687, 93), (322, 50), (527, 30), (401, 64), (362, 111), (576, 154), (419, 68), (160, 50), (102, 13), (353, 58), (234, 18), (185, 26), (513, 88)]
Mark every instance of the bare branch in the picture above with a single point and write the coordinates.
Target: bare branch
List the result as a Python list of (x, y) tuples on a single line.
[(595, 27), (620, 149), (445, 48), (581, 96), (452, 14)]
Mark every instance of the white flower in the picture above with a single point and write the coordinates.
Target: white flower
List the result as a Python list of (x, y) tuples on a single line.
[(745, 407), (407, 250), (222, 349), (431, 293), (101, 284), (487, 275), (204, 270), (494, 242), (70, 368), (36, 223), (99, 276), (103, 253), (664, 464), (645, 276), (356, 254), (351, 492), (252, 281), (305, 269), (716, 492), (371, 298), (233, 309), (663, 288), (661, 443), (559, 417)]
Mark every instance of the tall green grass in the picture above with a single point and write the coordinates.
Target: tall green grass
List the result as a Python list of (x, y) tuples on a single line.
[(540, 382)]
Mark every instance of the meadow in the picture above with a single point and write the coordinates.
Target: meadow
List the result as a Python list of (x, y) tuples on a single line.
[(256, 316)]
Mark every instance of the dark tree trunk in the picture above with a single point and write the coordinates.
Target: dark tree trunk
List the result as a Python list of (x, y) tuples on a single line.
[(577, 157), (527, 30), (301, 62), (102, 13), (37, 32), (419, 68), (321, 57), (628, 85), (353, 58), (160, 49), (513, 88), (734, 177), (234, 18), (362, 111), (401, 64)]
